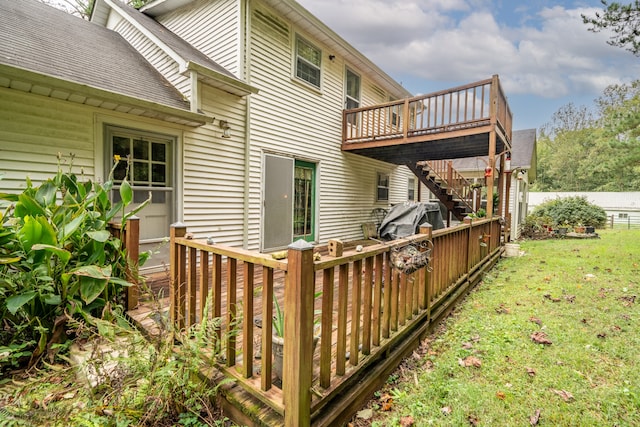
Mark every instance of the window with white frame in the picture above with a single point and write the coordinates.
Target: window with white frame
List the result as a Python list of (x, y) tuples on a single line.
[(352, 94), (412, 189), (622, 215), (308, 61), (382, 192)]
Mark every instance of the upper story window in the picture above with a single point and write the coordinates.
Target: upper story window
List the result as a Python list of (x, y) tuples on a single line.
[(308, 59), (352, 94)]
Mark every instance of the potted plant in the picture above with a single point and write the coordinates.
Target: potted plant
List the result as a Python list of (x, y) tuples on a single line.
[(579, 228), (277, 339), (563, 228)]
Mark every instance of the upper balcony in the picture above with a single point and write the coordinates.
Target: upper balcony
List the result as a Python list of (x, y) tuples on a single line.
[(449, 124)]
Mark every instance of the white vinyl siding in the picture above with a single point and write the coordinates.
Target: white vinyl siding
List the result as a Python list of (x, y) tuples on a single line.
[(33, 130), (155, 56), (289, 119), (214, 28), (213, 171)]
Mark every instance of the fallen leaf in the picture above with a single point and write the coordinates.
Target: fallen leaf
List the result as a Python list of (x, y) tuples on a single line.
[(387, 406), (473, 420), (467, 346), (540, 337), (564, 394), (570, 298), (502, 309), (475, 338), (602, 335), (535, 418), (446, 410), (500, 395), (535, 320), (531, 372), (406, 421), (470, 361), (365, 414)]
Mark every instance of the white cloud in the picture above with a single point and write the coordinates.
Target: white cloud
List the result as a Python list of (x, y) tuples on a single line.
[(547, 52)]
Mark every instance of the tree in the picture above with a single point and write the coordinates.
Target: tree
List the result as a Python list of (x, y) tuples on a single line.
[(623, 20), (83, 8), (599, 150)]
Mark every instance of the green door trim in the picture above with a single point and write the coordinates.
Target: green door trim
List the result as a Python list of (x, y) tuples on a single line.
[(304, 205)]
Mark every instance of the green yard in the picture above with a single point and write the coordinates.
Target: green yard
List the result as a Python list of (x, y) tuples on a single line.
[(549, 338)]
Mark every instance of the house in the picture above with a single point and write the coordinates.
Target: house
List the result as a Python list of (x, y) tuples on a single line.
[(520, 171), (231, 113)]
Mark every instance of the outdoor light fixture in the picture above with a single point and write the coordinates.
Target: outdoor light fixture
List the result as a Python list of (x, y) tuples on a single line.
[(226, 129), (507, 163)]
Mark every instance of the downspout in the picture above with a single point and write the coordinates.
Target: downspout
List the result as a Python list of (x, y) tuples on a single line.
[(247, 118)]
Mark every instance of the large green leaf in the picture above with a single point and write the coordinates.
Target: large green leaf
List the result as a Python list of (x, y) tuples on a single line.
[(9, 260), (71, 227), (9, 197), (36, 230), (91, 288), (16, 301), (46, 194), (28, 206), (100, 235), (62, 254), (126, 193), (94, 271)]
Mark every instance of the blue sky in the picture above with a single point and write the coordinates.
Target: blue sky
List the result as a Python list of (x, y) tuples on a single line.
[(543, 53)]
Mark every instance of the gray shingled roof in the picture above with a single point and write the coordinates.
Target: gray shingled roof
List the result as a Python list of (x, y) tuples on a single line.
[(179, 45), (523, 144), (42, 39)]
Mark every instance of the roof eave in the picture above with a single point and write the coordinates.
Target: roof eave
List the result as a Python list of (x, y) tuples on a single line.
[(26, 80), (222, 81)]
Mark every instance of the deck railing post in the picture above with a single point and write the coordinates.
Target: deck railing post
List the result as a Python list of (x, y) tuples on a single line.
[(298, 335), (132, 245), (178, 261), (423, 291), (468, 220)]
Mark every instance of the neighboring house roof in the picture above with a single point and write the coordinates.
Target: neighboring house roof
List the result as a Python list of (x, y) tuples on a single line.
[(523, 156), (187, 56), (294, 12), (50, 52)]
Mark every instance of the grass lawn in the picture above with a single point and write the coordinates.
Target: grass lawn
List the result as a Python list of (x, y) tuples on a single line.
[(551, 338)]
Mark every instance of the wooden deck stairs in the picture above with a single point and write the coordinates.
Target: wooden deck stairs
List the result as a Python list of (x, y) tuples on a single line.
[(447, 184)]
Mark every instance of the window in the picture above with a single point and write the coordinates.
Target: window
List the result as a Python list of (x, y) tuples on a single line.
[(352, 94), (308, 62), (382, 193), (623, 215), (412, 189), (144, 161)]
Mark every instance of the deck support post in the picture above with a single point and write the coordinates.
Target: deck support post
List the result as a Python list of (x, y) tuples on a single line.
[(132, 245), (298, 335)]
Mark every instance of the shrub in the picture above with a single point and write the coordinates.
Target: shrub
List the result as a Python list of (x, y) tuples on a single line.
[(57, 260), (572, 210)]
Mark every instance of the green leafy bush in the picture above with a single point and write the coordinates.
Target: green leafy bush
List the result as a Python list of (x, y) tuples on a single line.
[(57, 260), (575, 210)]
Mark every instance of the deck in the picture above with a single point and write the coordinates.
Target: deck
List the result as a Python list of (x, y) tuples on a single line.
[(466, 121), (367, 313)]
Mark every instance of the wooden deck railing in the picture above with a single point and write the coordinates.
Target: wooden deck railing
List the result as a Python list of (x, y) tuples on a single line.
[(366, 312), (463, 107), (456, 185)]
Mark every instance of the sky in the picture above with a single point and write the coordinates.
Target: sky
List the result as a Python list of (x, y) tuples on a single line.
[(545, 56)]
